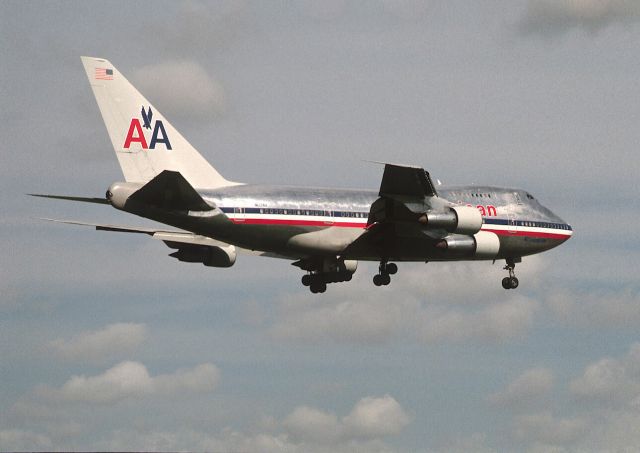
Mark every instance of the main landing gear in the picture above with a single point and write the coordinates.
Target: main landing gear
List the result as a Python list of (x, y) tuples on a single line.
[(317, 281), (386, 270), (510, 282)]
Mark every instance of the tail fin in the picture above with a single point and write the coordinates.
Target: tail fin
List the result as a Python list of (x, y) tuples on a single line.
[(145, 143)]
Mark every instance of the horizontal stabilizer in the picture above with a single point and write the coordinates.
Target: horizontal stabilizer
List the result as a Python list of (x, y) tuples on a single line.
[(173, 239), (170, 191), (62, 197)]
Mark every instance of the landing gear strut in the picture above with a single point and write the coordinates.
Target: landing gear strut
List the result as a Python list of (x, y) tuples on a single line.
[(510, 282), (386, 270)]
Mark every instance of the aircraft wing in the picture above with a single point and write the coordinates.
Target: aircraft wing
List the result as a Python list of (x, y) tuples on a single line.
[(405, 180), (406, 192)]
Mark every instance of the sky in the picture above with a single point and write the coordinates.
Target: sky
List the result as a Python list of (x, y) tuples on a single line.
[(106, 343)]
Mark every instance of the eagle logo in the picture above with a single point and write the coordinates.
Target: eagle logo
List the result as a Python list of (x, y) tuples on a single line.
[(146, 117)]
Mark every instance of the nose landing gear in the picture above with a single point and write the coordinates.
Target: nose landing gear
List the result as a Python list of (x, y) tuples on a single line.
[(510, 282), (386, 270)]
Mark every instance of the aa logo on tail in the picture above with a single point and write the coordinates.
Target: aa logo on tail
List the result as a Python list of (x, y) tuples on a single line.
[(136, 135)]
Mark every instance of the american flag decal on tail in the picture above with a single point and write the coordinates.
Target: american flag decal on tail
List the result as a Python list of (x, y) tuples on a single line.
[(104, 74)]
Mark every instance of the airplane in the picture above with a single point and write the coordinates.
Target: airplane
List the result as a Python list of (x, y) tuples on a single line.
[(323, 231)]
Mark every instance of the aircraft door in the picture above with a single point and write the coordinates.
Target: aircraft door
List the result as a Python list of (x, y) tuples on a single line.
[(239, 215), (513, 210), (328, 218)]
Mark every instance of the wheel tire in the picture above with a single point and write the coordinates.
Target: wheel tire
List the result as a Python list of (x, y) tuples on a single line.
[(506, 283), (377, 280), (386, 279), (513, 281), (392, 268), (306, 280), (322, 287), (313, 288)]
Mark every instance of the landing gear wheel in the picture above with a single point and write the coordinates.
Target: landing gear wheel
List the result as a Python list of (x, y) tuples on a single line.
[(511, 282), (386, 279), (318, 287), (391, 268), (306, 280), (377, 280)]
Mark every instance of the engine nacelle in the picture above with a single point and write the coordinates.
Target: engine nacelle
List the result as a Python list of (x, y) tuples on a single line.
[(457, 219), (482, 245), (119, 192), (208, 255)]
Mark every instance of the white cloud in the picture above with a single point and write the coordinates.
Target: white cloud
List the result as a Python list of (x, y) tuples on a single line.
[(305, 429), (113, 340), (376, 417), (181, 88), (555, 16), (132, 380), (311, 424), (530, 387), (371, 418), (611, 381)]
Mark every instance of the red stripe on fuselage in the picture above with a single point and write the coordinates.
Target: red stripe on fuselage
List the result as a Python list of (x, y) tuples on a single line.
[(322, 223)]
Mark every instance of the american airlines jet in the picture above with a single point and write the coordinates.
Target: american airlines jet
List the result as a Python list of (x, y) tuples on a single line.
[(324, 232)]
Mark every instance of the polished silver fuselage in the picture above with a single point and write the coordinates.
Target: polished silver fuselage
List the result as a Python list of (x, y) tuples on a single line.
[(302, 222)]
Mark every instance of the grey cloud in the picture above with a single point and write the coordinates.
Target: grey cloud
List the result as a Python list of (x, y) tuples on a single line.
[(452, 312), (544, 428), (21, 440), (602, 308), (611, 381), (558, 16), (530, 387), (96, 346), (132, 380)]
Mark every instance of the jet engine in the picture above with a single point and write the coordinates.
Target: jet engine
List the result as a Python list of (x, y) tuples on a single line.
[(208, 255), (483, 245), (457, 219)]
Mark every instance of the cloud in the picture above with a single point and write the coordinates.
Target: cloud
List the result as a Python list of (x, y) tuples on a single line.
[(132, 380), (20, 440), (310, 424), (304, 429), (113, 340), (497, 322), (558, 16), (370, 418), (600, 308), (614, 382), (376, 417), (546, 429), (181, 88), (444, 312), (529, 388)]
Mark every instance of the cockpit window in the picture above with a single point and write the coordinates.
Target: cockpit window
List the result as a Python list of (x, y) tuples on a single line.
[(529, 196)]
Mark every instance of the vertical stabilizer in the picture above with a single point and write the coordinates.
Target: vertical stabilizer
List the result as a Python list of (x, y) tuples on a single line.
[(145, 143)]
